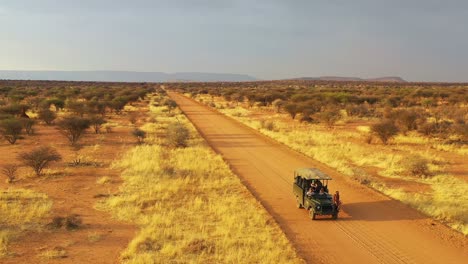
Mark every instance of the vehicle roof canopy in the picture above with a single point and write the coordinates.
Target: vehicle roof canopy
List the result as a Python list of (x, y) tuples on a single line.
[(311, 174)]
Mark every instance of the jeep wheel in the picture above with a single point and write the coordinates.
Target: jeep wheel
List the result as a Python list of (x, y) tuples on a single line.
[(335, 216), (312, 214)]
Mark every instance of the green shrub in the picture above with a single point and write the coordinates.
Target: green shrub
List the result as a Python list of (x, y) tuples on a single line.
[(47, 116), (73, 128), (11, 129), (291, 109), (28, 124), (39, 158)]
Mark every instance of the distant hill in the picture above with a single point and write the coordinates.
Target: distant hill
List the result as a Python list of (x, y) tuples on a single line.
[(124, 76), (349, 79), (387, 79)]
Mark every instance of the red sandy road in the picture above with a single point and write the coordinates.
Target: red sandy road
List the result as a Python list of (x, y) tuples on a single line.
[(372, 228)]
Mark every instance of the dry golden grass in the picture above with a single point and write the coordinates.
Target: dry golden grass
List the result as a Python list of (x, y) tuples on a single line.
[(347, 152), (94, 237), (104, 180), (20, 210), (189, 210), (56, 253), (447, 201)]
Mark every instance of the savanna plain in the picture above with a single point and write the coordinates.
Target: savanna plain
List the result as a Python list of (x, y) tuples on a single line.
[(116, 172), (112, 172)]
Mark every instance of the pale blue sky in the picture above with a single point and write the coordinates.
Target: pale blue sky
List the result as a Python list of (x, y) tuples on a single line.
[(423, 40)]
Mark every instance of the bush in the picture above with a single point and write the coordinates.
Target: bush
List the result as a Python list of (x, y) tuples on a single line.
[(118, 103), (11, 129), (9, 170), (385, 130), (39, 158), (268, 125), (330, 117), (277, 104), (47, 116), (77, 107), (416, 165), (97, 122), (71, 222), (139, 134), (170, 104), (177, 135), (358, 110), (291, 109), (28, 124), (442, 128), (12, 109), (405, 119), (73, 128)]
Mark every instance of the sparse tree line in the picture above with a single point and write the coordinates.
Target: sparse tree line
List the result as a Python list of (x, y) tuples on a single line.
[(72, 111), (71, 107), (433, 110)]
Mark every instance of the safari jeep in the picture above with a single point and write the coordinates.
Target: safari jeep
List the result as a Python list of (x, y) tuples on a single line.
[(311, 190)]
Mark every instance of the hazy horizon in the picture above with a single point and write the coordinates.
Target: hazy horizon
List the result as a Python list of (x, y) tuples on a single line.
[(417, 40)]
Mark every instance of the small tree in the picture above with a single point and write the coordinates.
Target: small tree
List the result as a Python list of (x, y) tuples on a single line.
[(11, 129), (97, 122), (330, 117), (77, 107), (47, 116), (385, 130), (170, 104), (307, 115), (238, 98), (9, 170), (28, 124), (139, 134), (118, 104), (277, 104), (177, 135), (39, 158), (292, 109), (73, 128), (405, 120)]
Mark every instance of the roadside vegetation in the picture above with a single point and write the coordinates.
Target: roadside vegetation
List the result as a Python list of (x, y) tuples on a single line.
[(21, 210), (188, 209), (407, 141), (51, 134)]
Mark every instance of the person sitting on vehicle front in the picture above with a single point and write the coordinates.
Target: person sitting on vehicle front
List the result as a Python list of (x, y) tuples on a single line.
[(317, 185), (310, 192), (322, 191)]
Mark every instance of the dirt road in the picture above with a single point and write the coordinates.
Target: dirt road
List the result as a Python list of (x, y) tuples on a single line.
[(371, 229)]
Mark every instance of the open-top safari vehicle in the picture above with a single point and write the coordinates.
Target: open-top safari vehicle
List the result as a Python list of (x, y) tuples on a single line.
[(311, 190)]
